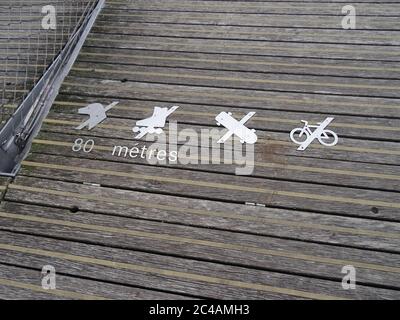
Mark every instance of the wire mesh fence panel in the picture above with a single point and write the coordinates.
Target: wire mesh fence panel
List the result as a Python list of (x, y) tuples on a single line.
[(35, 35), (32, 34)]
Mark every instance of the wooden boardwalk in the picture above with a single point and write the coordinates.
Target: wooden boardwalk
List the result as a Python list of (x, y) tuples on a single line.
[(121, 228)]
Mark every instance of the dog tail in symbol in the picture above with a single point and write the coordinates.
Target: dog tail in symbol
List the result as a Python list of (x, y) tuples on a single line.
[(112, 105), (82, 125)]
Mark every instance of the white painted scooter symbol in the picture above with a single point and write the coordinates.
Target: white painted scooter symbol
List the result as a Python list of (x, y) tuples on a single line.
[(237, 128)]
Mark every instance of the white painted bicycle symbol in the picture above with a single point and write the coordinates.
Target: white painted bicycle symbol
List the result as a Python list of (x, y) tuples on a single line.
[(305, 136)]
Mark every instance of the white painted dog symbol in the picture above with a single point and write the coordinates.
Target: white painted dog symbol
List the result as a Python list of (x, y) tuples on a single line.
[(155, 123), (97, 114), (237, 128)]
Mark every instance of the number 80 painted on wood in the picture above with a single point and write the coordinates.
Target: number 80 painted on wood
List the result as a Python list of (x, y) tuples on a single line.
[(81, 145)]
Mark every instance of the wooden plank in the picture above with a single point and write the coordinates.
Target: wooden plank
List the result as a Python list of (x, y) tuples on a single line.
[(369, 176), (18, 283), (282, 34), (363, 22), (163, 272), (265, 65), (239, 80), (299, 225), (305, 259), (273, 193), (251, 99), (247, 7), (258, 48)]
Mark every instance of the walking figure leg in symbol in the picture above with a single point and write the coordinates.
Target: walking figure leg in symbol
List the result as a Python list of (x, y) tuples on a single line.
[(305, 136)]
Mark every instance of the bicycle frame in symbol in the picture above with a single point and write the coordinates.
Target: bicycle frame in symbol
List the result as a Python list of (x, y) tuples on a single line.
[(305, 136)]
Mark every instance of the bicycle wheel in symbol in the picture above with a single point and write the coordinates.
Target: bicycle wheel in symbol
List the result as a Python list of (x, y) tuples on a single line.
[(304, 136)]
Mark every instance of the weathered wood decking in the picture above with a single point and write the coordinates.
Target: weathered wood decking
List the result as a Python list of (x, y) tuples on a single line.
[(121, 228)]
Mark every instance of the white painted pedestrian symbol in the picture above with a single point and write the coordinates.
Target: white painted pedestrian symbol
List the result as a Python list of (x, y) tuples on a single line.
[(237, 128), (155, 123), (305, 136), (97, 114)]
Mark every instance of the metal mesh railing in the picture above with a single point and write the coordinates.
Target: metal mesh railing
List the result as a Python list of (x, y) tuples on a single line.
[(34, 36), (27, 49)]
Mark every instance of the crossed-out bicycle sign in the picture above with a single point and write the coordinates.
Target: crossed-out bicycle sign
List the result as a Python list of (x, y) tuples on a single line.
[(305, 136)]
